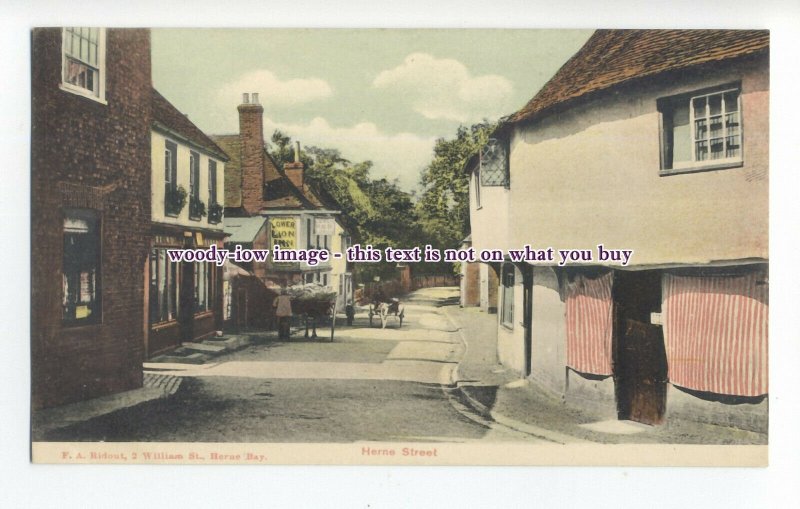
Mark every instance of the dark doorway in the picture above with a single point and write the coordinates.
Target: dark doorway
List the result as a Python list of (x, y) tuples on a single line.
[(640, 360), (187, 303), (527, 315)]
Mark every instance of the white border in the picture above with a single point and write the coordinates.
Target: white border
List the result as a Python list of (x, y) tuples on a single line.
[(82, 486)]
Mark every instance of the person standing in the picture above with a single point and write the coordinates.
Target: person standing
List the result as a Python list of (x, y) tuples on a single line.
[(283, 311)]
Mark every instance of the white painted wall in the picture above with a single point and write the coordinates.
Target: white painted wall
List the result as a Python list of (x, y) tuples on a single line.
[(490, 222), (590, 175), (511, 340), (548, 332), (157, 146)]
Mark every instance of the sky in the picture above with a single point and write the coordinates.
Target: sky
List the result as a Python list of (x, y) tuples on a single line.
[(379, 95)]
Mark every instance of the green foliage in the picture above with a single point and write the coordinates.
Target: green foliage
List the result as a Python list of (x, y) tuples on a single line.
[(443, 208), (215, 212), (197, 207), (175, 200), (379, 213)]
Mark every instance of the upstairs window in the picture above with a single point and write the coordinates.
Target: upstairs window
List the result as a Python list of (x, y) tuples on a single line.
[(701, 131), (212, 182), (170, 178), (493, 169), (83, 63), (194, 186)]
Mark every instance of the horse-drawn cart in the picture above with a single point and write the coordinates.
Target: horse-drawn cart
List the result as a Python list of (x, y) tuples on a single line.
[(384, 308), (313, 304)]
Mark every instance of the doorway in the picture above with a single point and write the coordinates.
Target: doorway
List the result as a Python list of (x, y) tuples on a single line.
[(640, 360)]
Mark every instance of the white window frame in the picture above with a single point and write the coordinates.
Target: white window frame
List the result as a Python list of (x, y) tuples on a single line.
[(694, 165), (98, 95)]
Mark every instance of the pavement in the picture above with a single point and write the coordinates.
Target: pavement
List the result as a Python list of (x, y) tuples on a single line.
[(425, 351)]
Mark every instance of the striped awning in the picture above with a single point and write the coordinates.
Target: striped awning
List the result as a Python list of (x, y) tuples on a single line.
[(589, 324), (715, 331)]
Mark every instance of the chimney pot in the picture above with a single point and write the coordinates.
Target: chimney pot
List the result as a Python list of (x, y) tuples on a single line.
[(245, 98), (297, 151), (254, 96)]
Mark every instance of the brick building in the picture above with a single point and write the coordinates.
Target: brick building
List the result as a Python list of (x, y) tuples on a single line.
[(90, 211), (294, 214)]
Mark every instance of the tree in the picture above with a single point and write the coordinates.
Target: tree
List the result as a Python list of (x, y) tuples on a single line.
[(443, 208)]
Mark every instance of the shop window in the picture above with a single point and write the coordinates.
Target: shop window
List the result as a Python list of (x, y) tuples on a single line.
[(163, 287), (81, 267)]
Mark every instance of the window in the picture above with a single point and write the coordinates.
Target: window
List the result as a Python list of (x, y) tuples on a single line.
[(194, 186), (212, 182), (170, 177), (163, 287), (308, 234), (701, 131), (507, 311), (493, 168), (81, 267), (83, 61), (325, 279), (202, 286)]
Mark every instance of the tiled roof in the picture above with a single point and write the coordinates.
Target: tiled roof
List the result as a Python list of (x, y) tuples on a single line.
[(168, 116), (613, 57)]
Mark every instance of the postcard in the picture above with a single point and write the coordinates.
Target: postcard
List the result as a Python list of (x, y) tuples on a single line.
[(400, 246)]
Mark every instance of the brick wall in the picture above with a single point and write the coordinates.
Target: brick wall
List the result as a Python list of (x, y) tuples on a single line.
[(92, 155), (251, 130)]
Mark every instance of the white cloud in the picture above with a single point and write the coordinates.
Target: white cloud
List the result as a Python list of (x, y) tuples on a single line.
[(399, 156), (443, 88), (273, 91)]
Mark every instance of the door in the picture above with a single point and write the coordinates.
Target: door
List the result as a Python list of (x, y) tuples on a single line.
[(640, 360), (527, 315)]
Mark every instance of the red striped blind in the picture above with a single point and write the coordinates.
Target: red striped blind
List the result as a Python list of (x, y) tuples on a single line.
[(715, 331), (589, 324)]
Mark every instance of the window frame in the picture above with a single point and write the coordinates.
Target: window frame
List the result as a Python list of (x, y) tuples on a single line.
[(170, 173), (668, 105), (507, 295), (503, 143), (194, 182), (167, 304), (96, 305), (98, 95), (212, 182)]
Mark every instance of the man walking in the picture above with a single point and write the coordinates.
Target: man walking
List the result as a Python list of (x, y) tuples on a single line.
[(283, 311)]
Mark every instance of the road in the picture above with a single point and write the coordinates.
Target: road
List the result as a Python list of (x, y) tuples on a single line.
[(370, 384)]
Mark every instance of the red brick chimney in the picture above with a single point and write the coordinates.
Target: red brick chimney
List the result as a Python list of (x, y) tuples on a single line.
[(251, 134), (295, 170)]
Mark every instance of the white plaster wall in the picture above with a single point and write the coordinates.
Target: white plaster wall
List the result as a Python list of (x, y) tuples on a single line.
[(511, 340), (489, 223), (590, 175), (484, 286), (157, 147), (548, 334)]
